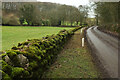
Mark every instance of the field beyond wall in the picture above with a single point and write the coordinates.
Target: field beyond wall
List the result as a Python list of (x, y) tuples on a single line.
[(12, 35)]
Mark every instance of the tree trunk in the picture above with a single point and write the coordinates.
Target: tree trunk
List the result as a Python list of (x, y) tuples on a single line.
[(77, 23), (71, 23)]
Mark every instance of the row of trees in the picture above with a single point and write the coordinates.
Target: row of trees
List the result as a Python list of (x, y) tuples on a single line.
[(108, 15), (42, 13), (0, 17)]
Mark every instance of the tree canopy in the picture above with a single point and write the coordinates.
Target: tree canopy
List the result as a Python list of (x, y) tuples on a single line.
[(108, 15), (45, 13)]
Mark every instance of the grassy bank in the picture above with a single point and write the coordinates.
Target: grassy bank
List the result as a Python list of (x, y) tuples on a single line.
[(11, 35), (74, 61)]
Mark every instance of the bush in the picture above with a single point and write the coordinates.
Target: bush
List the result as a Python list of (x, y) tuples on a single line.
[(10, 19), (41, 53)]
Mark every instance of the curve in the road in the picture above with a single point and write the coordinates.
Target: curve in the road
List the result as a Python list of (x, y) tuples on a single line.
[(107, 50)]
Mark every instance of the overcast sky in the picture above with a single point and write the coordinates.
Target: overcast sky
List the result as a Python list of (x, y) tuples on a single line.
[(68, 2)]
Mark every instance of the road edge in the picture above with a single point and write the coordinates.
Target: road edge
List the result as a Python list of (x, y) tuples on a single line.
[(97, 62)]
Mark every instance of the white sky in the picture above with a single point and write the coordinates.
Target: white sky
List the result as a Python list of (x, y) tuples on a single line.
[(68, 2)]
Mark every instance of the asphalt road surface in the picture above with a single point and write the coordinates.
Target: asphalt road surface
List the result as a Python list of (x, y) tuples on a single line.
[(106, 48)]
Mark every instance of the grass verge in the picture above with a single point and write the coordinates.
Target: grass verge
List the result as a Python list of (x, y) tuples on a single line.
[(74, 61)]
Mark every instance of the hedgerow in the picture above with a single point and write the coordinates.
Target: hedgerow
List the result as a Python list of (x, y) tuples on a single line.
[(31, 58)]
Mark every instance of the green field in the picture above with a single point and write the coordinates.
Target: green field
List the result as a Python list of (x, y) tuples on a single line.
[(11, 35)]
